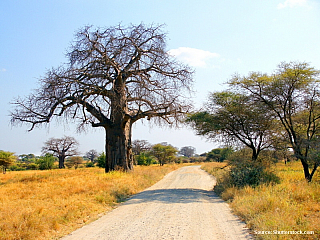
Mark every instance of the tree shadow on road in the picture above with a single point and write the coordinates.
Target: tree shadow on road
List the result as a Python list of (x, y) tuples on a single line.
[(179, 195)]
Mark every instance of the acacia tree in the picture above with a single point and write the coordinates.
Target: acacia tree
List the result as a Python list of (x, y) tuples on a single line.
[(6, 159), (113, 78), (164, 153), (232, 117), (61, 148), (292, 93)]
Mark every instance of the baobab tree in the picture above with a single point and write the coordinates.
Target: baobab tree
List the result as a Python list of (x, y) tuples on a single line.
[(113, 78), (61, 148)]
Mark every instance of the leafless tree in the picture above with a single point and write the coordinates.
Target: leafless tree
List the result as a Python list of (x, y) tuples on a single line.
[(61, 148), (139, 146), (187, 151), (113, 78), (92, 155)]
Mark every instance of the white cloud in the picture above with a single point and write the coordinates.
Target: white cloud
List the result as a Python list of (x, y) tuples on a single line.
[(293, 3), (192, 56), (3, 70)]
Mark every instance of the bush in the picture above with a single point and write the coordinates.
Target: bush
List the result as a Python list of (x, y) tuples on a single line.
[(74, 161), (46, 162), (249, 173), (89, 164), (101, 160), (32, 166), (145, 158), (16, 168)]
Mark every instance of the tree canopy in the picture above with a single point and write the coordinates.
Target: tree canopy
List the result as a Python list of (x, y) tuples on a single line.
[(234, 118), (292, 95), (61, 148), (114, 77), (6, 159)]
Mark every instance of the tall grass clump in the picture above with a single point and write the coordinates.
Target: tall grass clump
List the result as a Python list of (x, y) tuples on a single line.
[(287, 206), (50, 204)]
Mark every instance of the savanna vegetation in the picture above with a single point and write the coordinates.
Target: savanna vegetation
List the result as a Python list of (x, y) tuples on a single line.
[(52, 203), (278, 112), (272, 123), (285, 202)]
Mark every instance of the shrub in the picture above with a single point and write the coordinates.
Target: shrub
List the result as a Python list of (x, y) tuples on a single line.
[(46, 162), (74, 161), (89, 164), (101, 160), (249, 173), (145, 158)]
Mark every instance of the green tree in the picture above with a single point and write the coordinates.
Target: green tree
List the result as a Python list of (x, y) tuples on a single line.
[(46, 162), (101, 160), (219, 154), (113, 77), (6, 159), (292, 94), (164, 153), (235, 118), (145, 158)]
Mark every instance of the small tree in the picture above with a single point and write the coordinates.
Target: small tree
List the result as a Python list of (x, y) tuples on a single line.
[(61, 148), (163, 153), (46, 162), (6, 159), (218, 154), (74, 161), (101, 160), (145, 158)]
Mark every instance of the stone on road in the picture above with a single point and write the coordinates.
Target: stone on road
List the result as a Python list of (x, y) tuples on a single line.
[(180, 206)]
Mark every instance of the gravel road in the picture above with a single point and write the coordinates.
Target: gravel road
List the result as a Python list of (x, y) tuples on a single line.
[(181, 206)]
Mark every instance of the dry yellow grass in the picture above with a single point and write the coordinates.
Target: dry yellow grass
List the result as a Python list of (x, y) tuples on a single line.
[(50, 204), (292, 205)]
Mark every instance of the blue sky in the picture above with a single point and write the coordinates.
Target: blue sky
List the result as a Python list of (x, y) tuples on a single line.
[(217, 38)]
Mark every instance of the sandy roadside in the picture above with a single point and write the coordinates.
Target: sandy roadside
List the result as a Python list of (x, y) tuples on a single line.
[(180, 206)]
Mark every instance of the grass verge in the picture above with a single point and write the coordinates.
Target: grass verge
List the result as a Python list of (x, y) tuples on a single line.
[(50, 204), (289, 207)]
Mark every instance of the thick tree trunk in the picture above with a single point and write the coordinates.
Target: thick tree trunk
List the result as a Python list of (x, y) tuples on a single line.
[(61, 162), (118, 148)]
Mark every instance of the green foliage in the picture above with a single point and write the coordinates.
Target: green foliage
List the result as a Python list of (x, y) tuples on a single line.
[(218, 154), (101, 160), (32, 166), (89, 164), (231, 117), (6, 159), (164, 153), (46, 162), (145, 158), (251, 173), (292, 94)]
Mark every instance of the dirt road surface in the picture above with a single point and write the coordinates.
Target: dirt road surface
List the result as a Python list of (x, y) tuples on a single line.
[(181, 206)]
